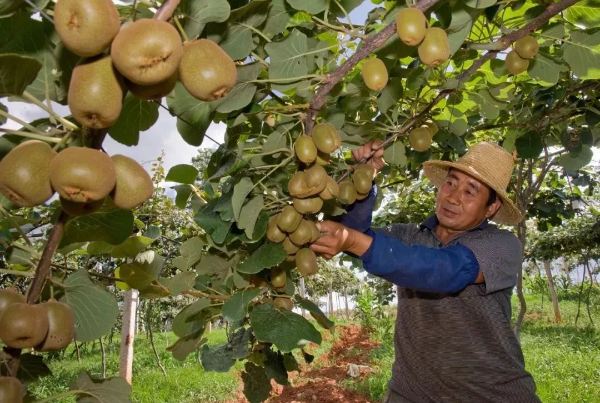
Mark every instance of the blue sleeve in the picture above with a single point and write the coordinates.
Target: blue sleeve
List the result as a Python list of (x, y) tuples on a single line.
[(360, 214), (445, 270)]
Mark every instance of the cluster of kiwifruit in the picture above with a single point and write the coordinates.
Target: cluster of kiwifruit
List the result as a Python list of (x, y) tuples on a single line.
[(517, 60), (413, 30), (147, 57), (420, 139), (83, 177), (48, 326)]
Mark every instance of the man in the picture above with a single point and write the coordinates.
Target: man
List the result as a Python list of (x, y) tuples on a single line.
[(455, 274)]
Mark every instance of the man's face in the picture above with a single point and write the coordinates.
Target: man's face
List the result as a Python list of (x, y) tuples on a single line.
[(462, 202)]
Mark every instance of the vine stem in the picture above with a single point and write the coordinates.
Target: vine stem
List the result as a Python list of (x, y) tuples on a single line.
[(30, 98), (166, 10), (32, 135), (181, 30)]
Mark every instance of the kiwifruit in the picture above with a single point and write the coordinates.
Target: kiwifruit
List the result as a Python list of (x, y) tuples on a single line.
[(306, 262), (374, 74), (9, 296), (420, 138), (134, 185), (152, 92), (274, 234), (95, 95), (24, 178), (527, 47), (323, 159), (283, 303), (278, 277), (362, 181), (147, 52), (258, 281), (86, 27), (310, 205), (433, 128), (206, 70), (326, 138), (331, 189), (316, 177), (347, 193), (314, 231), (290, 247), (361, 196), (79, 209), (435, 48), (82, 174), (24, 325), (305, 149), (411, 25), (515, 64), (11, 390), (61, 327), (302, 234), (289, 219), (368, 169), (297, 186)]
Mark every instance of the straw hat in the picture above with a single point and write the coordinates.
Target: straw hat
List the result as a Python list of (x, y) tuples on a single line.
[(488, 163)]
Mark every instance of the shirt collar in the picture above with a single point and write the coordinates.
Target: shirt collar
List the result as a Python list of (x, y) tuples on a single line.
[(432, 221)]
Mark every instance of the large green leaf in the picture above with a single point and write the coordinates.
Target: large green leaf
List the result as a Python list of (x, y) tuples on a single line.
[(136, 116), (113, 226), (95, 309), (16, 73), (268, 255), (53, 79), (111, 390), (130, 248), (277, 19), (315, 312), (194, 116), (31, 368), (179, 283), (460, 28), (210, 221), (240, 191), (256, 383), (582, 52), (197, 13), (529, 145), (576, 162), (249, 214), (545, 70), (189, 320), (287, 330), (391, 94), (288, 57), (396, 154), (480, 3), (23, 35), (182, 173), (586, 13), (186, 345), (217, 358), (143, 270), (310, 6), (190, 251), (236, 307)]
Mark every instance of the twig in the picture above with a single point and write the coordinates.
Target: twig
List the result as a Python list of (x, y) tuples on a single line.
[(149, 324), (103, 359), (31, 135), (167, 9)]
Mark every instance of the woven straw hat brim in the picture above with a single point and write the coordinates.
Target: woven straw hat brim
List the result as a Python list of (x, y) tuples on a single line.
[(436, 172)]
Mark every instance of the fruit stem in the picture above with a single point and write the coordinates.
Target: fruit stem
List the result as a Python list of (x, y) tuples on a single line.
[(282, 164), (63, 141), (345, 14), (22, 123), (17, 273), (181, 30), (34, 136), (30, 98), (166, 10), (251, 28), (16, 225), (279, 150)]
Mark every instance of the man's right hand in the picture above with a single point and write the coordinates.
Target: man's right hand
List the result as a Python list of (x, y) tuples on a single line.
[(377, 161)]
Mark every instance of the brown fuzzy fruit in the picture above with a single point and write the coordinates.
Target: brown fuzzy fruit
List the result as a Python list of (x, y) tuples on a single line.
[(306, 262), (362, 181), (347, 193), (310, 205), (314, 231), (527, 47), (290, 247), (302, 234), (305, 149), (374, 74), (80, 209), (368, 169), (147, 52), (435, 48), (326, 138), (283, 303), (278, 277), (515, 64), (153, 92), (24, 325), (134, 185), (433, 128), (82, 174), (95, 95), (274, 234), (86, 27), (420, 139), (289, 219), (323, 159), (411, 26), (24, 178), (298, 186), (9, 296), (11, 390), (61, 327), (331, 189), (206, 70)]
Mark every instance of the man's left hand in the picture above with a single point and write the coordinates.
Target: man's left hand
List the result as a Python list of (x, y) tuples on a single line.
[(336, 238)]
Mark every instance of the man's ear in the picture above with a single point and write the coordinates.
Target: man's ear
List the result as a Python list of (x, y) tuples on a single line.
[(492, 209)]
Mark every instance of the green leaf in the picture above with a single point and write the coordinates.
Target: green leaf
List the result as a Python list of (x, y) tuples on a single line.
[(586, 13), (310, 6), (22, 35), (243, 93), (197, 13), (217, 358), (183, 195), (54, 77), (545, 70), (143, 270), (576, 162), (128, 249), (240, 191), (480, 3), (315, 312), (136, 116), (16, 73), (180, 282), (288, 57), (210, 221), (95, 309), (390, 94), (267, 256), (249, 214), (582, 52), (529, 145), (111, 390), (187, 345), (113, 226), (488, 105), (396, 154), (31, 368), (236, 307), (277, 18), (275, 367), (287, 330), (212, 264), (194, 116), (186, 321), (182, 173), (190, 251), (257, 387)]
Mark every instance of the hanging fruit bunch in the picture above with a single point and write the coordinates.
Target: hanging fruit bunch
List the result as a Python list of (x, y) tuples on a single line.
[(412, 28), (517, 60)]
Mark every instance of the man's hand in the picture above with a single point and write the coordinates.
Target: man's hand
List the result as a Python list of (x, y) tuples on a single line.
[(377, 161), (336, 238)]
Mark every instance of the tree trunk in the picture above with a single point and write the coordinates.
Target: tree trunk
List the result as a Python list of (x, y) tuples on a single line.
[(302, 292), (128, 334), (330, 299), (338, 301), (149, 327), (103, 359), (522, 233), (552, 290), (209, 327), (346, 299)]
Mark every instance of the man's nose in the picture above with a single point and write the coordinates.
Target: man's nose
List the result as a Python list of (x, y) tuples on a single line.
[(453, 197)]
